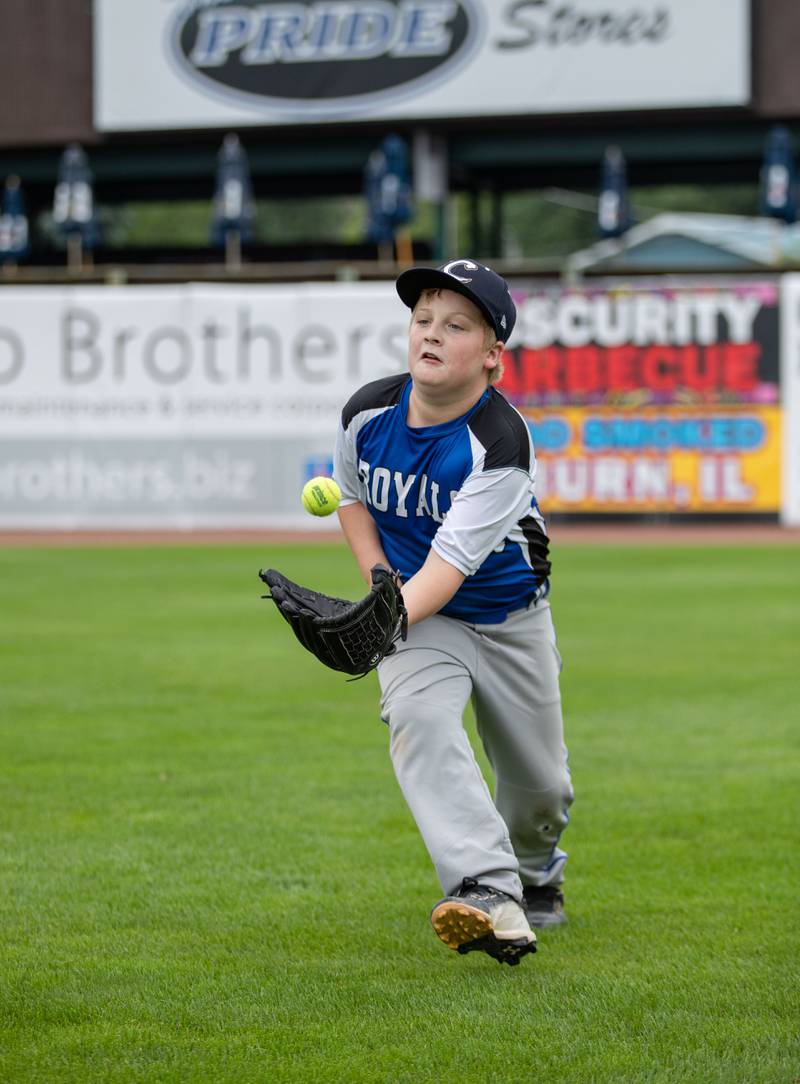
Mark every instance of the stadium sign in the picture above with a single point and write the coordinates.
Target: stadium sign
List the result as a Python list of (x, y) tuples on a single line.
[(213, 405), (545, 23), (212, 63), (286, 52), (651, 398)]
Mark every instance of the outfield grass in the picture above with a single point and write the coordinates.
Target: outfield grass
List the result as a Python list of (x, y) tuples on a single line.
[(208, 872)]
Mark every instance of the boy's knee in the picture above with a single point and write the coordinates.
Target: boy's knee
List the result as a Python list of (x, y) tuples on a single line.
[(545, 814)]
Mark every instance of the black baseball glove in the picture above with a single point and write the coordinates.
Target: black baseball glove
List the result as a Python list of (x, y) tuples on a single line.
[(348, 636)]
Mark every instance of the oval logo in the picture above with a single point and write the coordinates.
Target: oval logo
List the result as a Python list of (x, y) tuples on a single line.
[(326, 55)]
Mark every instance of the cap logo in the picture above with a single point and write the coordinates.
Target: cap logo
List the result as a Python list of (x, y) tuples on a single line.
[(503, 320), (468, 265)]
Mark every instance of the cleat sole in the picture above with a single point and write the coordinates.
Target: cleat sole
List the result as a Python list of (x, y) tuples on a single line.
[(457, 923), (468, 929)]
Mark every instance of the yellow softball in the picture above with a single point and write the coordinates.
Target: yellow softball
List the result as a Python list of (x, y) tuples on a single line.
[(321, 496)]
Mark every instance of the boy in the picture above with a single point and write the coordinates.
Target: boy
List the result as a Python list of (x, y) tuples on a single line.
[(437, 472)]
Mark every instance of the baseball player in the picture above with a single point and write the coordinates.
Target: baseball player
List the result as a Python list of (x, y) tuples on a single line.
[(437, 474)]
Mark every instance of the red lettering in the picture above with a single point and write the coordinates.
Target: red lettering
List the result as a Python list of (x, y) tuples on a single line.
[(740, 366), (585, 370), (700, 367), (541, 370), (621, 368), (658, 368), (582, 368)]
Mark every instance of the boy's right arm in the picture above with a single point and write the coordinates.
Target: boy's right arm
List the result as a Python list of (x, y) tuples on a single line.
[(362, 538), (356, 522)]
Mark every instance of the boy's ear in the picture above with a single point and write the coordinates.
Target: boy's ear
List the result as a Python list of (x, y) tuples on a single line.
[(493, 355)]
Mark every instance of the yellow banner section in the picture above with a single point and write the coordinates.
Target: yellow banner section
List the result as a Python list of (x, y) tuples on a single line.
[(668, 459)]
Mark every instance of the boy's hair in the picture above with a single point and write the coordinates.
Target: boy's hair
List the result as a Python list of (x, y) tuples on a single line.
[(489, 337)]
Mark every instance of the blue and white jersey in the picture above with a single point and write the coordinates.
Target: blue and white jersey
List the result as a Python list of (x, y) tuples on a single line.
[(465, 488)]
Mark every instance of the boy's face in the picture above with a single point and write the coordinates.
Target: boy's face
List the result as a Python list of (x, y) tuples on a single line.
[(447, 344)]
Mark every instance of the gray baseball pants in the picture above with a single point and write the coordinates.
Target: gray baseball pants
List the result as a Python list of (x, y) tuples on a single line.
[(511, 673)]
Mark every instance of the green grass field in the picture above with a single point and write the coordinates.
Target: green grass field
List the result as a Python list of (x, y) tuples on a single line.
[(209, 874)]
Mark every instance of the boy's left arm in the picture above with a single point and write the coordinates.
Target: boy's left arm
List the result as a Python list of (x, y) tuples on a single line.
[(426, 591)]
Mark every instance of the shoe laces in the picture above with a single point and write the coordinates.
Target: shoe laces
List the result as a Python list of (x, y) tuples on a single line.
[(470, 888)]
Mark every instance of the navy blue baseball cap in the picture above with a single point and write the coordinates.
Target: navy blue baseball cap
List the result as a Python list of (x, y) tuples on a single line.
[(484, 287)]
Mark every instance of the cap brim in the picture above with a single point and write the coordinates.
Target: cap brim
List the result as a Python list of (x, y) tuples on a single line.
[(411, 283)]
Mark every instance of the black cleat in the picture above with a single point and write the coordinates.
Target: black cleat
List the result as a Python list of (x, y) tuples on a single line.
[(477, 918), (505, 952), (544, 905)]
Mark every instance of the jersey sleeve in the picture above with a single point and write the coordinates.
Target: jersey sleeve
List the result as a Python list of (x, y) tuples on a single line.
[(368, 403), (484, 510), (345, 464)]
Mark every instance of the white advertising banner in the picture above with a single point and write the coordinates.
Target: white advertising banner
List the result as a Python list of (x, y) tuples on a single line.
[(214, 63), (790, 381), (180, 406)]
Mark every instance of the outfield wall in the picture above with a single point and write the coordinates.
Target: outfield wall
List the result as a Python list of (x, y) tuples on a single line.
[(186, 406), (209, 406)]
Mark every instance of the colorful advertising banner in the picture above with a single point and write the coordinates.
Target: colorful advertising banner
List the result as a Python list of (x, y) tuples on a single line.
[(653, 398)]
